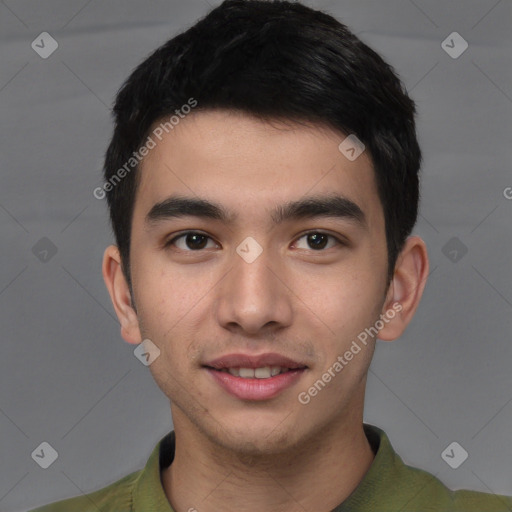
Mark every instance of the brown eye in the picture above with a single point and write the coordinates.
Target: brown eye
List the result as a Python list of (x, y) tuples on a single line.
[(317, 241), (190, 241)]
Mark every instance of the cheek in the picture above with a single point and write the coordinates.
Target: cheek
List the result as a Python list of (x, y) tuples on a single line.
[(347, 305), (171, 306), (166, 292), (351, 306)]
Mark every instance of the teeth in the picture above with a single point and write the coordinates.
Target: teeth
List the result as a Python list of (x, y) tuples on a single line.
[(275, 370), (262, 373), (246, 373), (259, 373)]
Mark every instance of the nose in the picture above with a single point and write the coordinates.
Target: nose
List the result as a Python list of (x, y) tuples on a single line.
[(254, 298)]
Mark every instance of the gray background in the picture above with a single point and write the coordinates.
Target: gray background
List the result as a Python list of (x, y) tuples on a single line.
[(69, 379)]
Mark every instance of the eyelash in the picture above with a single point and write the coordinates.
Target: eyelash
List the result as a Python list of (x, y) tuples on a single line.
[(170, 242)]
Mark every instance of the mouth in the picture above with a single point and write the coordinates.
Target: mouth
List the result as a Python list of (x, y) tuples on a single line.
[(264, 372), (255, 378)]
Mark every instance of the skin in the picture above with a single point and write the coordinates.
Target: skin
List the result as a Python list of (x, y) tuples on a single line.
[(298, 301)]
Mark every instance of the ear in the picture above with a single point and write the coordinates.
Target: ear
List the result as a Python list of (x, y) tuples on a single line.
[(120, 295), (406, 288)]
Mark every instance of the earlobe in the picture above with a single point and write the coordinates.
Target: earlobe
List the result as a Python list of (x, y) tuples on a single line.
[(119, 291), (406, 288)]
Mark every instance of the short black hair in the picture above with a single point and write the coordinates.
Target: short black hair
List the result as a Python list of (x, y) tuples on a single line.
[(275, 60)]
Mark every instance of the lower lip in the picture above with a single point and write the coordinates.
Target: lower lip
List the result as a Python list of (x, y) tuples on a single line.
[(256, 389)]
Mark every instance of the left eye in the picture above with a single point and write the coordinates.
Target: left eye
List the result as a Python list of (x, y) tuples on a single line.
[(191, 241), (318, 241)]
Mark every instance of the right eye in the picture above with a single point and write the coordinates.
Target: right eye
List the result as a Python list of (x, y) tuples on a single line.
[(190, 241)]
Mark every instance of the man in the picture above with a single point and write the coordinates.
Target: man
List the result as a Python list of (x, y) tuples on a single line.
[(262, 182)]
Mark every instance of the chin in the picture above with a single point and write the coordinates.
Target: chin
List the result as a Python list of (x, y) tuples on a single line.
[(257, 438)]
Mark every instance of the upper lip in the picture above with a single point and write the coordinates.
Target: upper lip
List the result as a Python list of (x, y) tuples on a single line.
[(248, 361)]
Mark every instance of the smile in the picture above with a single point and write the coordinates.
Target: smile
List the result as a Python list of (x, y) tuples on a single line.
[(265, 372), (256, 384)]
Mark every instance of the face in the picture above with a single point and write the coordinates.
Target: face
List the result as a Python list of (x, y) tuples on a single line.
[(256, 279)]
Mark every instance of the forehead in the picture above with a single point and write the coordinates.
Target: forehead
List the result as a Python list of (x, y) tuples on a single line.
[(250, 166)]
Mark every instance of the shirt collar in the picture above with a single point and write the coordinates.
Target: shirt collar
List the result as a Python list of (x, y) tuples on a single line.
[(148, 493), (384, 470)]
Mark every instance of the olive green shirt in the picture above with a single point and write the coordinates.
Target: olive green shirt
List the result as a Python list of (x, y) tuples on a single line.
[(388, 486)]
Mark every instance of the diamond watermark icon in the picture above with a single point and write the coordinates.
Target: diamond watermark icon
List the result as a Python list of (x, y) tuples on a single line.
[(454, 45), (454, 250), (249, 249), (454, 455), (146, 352), (44, 45), (351, 147), (44, 250), (45, 455)]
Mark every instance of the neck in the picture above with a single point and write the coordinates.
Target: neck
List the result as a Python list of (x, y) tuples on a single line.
[(319, 474)]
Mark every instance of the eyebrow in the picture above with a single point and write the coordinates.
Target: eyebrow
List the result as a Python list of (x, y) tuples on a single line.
[(334, 206)]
